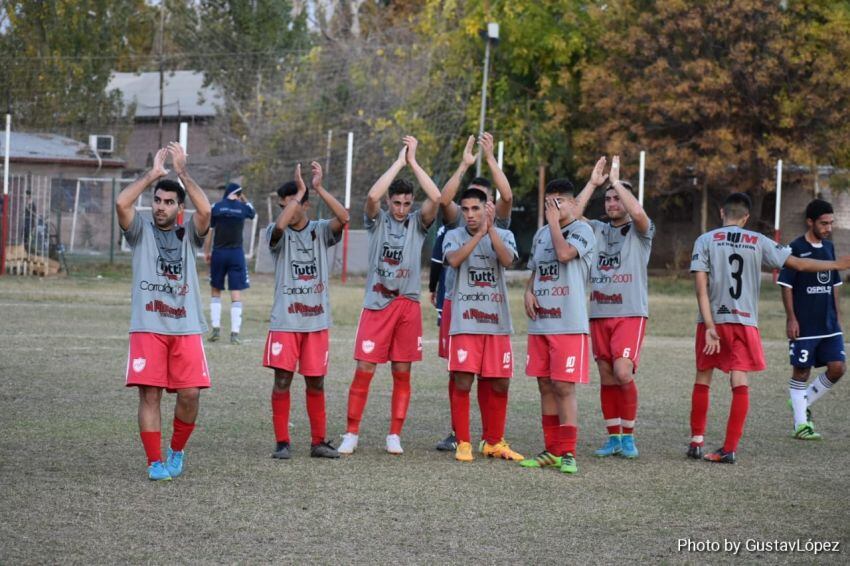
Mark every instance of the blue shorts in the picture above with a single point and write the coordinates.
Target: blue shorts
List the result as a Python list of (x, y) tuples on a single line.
[(229, 262), (816, 352)]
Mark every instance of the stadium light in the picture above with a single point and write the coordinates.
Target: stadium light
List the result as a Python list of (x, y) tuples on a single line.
[(491, 36)]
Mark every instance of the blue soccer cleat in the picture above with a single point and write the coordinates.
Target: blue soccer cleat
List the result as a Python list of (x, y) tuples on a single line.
[(174, 463), (612, 447), (628, 450), (158, 472)]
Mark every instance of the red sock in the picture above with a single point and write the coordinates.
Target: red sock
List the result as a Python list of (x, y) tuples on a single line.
[(357, 396), (737, 417), (628, 406), (485, 391), (498, 415), (460, 414), (152, 440), (451, 398), (699, 409), (400, 401), (182, 432), (550, 433), (609, 395), (567, 438), (280, 415), (316, 414)]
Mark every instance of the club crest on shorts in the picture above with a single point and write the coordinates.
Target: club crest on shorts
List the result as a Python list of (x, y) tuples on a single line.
[(139, 364), (277, 347), (367, 346), (461, 355)]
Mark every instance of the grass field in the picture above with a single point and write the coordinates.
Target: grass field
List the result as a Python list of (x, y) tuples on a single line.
[(74, 489)]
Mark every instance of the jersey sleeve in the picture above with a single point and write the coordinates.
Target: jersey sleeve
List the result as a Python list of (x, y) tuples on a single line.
[(248, 210), (196, 239), (133, 233), (700, 260), (437, 250), (510, 241), (277, 246), (650, 233), (451, 243), (773, 255), (532, 263), (326, 232), (213, 215), (788, 276), (416, 217), (582, 239), (372, 223)]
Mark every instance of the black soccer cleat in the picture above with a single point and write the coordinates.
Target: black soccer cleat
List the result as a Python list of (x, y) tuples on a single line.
[(323, 450), (720, 456), (448, 444), (281, 452), (695, 451)]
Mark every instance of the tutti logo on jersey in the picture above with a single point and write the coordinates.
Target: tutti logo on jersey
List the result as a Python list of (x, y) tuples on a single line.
[(172, 270), (392, 254), (607, 262), (304, 270), (549, 271), (481, 277)]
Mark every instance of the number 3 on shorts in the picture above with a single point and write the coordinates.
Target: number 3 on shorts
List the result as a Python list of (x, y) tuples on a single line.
[(626, 352), (804, 356)]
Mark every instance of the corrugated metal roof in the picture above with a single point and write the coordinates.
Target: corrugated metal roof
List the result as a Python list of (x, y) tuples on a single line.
[(49, 148), (184, 93)]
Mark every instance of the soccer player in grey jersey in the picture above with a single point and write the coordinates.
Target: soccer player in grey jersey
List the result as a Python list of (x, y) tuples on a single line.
[(558, 332), (452, 217), (390, 326), (300, 318), (619, 304), (726, 264), (167, 322)]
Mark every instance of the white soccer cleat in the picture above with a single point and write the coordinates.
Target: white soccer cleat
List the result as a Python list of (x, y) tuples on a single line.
[(394, 444), (348, 444)]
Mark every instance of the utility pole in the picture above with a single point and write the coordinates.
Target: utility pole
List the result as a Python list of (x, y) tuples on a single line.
[(491, 36), (161, 65)]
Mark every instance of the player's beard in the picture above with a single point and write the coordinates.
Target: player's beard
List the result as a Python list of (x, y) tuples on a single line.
[(164, 221)]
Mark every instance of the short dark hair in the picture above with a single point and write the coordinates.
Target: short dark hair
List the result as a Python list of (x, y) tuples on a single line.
[(561, 186), (481, 182), (400, 187), (290, 188), (737, 205), (623, 182), (818, 208), (474, 193), (170, 186)]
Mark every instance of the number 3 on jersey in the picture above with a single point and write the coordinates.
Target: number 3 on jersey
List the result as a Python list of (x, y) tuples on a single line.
[(737, 264)]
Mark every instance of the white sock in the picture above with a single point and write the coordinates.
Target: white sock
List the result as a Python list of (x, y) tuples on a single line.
[(215, 311), (236, 316), (797, 391), (818, 388)]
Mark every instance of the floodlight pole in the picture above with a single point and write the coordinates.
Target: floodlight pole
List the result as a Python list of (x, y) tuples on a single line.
[(641, 176), (348, 162), (5, 216), (491, 36), (777, 234)]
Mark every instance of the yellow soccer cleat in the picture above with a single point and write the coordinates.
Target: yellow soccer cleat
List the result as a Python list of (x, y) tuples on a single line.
[(502, 450), (463, 453)]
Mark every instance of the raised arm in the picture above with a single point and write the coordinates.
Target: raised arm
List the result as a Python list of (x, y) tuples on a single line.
[(597, 179), (382, 185), (125, 204), (505, 203), (430, 206), (285, 217), (457, 257), (712, 340), (447, 195), (563, 250), (340, 214), (630, 203), (203, 209)]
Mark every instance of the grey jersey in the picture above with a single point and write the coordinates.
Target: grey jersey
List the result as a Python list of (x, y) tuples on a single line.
[(395, 258), (451, 273), (480, 303), (301, 299), (558, 286), (733, 258), (166, 297), (618, 279)]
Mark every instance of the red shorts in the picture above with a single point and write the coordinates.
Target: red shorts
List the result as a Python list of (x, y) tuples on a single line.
[(306, 352), (393, 334), (445, 324), (740, 349), (168, 361), (618, 337), (561, 357), (485, 355)]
